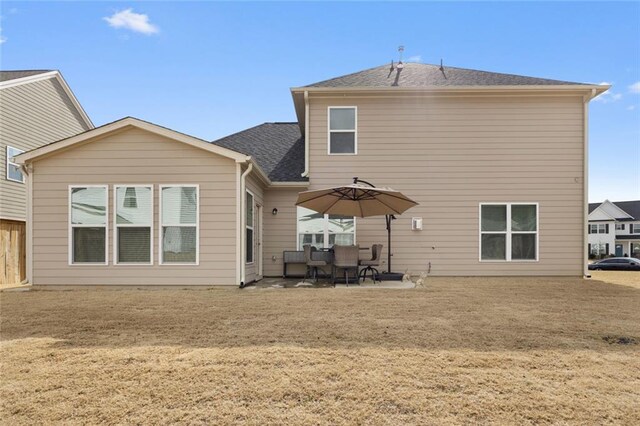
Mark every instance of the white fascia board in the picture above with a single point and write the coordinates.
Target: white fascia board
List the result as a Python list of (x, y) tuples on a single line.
[(63, 83), (600, 88), (133, 122), (612, 210), (28, 79)]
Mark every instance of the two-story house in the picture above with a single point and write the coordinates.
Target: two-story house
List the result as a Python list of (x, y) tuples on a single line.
[(36, 108), (497, 163), (614, 229)]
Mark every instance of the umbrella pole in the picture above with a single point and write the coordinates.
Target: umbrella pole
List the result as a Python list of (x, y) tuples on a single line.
[(388, 219)]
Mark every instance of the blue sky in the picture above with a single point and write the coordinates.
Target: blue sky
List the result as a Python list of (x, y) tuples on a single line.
[(210, 69)]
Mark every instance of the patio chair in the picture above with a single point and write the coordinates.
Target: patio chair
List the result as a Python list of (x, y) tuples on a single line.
[(312, 264), (376, 253), (346, 258)]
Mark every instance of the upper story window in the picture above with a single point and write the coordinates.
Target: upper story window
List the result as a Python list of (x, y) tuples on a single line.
[(508, 232), (343, 133), (88, 224), (179, 224), (13, 170), (619, 226), (634, 228), (599, 228)]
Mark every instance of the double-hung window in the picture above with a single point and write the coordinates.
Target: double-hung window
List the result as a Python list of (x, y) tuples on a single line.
[(179, 224), (598, 228), (323, 231), (343, 134), (88, 224), (249, 227), (133, 222), (13, 170), (508, 232)]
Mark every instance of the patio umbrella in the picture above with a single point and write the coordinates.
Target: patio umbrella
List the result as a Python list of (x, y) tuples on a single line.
[(358, 200)]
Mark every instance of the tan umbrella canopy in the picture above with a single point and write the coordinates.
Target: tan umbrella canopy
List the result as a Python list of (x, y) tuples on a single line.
[(358, 200)]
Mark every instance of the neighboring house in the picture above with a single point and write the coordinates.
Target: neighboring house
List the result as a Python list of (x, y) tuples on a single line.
[(614, 229), (496, 161), (36, 108)]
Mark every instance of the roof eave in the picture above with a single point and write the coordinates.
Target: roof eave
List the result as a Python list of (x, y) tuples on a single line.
[(68, 143), (599, 88), (58, 76)]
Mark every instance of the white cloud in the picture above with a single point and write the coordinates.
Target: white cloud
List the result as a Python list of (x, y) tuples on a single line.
[(415, 58), (607, 98), (130, 20), (631, 107), (635, 87), (2, 38)]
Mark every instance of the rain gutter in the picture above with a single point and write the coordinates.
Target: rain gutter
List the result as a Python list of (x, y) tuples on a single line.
[(243, 218), (306, 134), (585, 182)]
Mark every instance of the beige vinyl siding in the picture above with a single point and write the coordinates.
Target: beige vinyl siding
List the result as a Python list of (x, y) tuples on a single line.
[(31, 115), (279, 230), (452, 153), (252, 184), (134, 156)]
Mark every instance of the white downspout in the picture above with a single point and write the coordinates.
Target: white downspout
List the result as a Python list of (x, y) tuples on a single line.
[(585, 184), (243, 227), (27, 170), (306, 134), (238, 222)]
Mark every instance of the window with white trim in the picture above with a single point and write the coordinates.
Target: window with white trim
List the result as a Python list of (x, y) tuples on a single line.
[(323, 231), (343, 138), (619, 226), (133, 224), (249, 209), (508, 232), (14, 173), (179, 224), (88, 224), (598, 228)]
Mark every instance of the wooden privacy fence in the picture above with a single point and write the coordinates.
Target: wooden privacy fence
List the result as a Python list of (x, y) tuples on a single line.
[(13, 252)]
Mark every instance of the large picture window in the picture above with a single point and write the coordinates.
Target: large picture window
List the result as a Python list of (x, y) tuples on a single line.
[(88, 224), (343, 138), (179, 224), (249, 210), (13, 170), (509, 232), (323, 231), (133, 222)]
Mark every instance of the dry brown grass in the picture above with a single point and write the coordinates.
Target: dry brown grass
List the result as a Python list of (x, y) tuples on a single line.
[(463, 350), (628, 278)]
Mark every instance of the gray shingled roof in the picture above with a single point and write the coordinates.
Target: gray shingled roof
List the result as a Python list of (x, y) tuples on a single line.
[(425, 75), (632, 208), (13, 75), (278, 148)]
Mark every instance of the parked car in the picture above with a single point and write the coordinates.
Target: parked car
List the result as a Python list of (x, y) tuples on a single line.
[(616, 264)]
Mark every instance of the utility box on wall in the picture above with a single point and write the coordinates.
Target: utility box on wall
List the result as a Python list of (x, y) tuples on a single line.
[(416, 224)]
